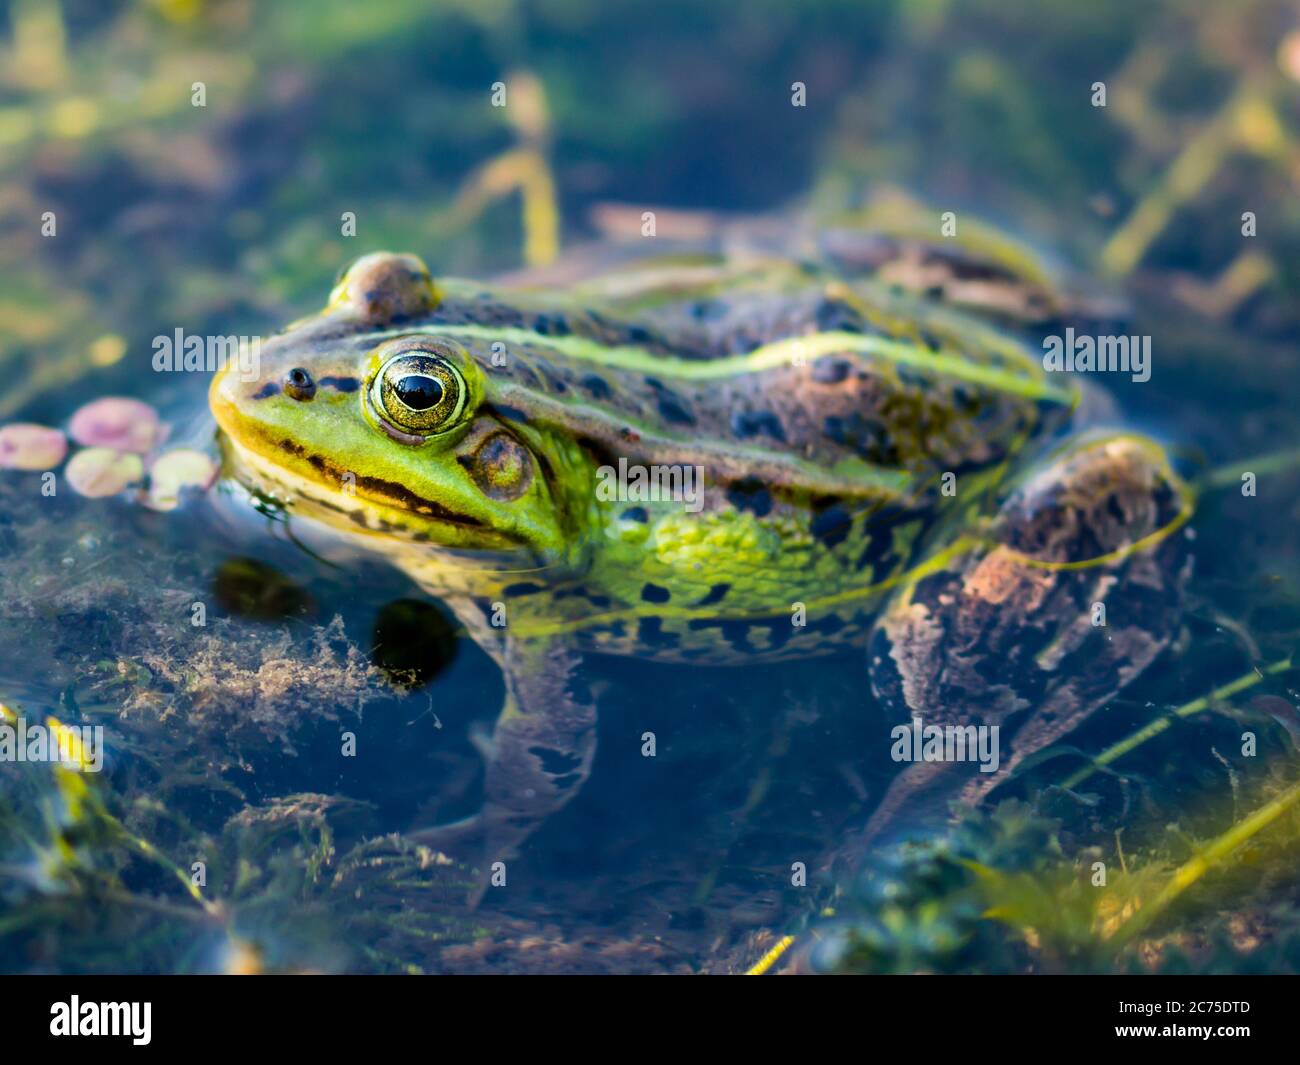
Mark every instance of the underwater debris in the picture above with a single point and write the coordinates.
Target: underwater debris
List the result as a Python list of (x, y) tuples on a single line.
[(272, 890), (231, 678)]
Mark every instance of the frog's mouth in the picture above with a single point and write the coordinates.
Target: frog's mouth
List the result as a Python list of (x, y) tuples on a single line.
[(352, 504)]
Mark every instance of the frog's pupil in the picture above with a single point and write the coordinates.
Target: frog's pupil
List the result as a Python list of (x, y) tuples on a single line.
[(419, 392)]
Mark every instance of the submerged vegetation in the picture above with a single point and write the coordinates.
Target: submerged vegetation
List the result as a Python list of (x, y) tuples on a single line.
[(1000, 892), (91, 885)]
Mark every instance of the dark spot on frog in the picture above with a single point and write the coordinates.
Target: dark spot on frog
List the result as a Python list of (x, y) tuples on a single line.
[(672, 411), (929, 590), (525, 374), (879, 552), (510, 414), (708, 310), (523, 588), (716, 595), (828, 371), (737, 631), (595, 386), (267, 390), (600, 601), (551, 325), (366, 521), (635, 514), (750, 494), (340, 384), (831, 525), (964, 398), (652, 593), (555, 763), (868, 439), (748, 423), (671, 408), (649, 631), (299, 385), (833, 316)]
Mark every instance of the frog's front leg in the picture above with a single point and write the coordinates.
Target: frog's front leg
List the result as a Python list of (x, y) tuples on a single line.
[(543, 743), (541, 748), (1073, 594)]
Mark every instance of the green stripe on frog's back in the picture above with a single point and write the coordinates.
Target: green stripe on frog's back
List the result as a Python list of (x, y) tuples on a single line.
[(767, 302), (765, 357), (857, 416)]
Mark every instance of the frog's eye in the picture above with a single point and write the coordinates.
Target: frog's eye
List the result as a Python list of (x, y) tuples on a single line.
[(419, 392)]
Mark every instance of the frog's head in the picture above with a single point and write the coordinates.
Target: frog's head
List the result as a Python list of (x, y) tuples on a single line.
[(367, 427)]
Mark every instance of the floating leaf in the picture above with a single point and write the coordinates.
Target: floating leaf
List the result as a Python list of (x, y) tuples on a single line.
[(117, 423), (24, 446), (101, 471), (176, 471)]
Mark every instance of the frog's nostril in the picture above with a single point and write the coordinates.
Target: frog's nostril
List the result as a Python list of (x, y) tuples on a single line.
[(298, 384)]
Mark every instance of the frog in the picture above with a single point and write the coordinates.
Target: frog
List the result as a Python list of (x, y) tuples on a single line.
[(853, 470)]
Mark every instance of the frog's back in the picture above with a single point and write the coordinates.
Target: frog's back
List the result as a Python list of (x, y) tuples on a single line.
[(803, 422)]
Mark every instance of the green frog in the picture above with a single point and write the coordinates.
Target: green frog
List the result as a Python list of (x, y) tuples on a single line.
[(724, 460)]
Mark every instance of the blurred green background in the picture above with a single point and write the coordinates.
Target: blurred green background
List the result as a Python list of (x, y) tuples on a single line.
[(229, 213)]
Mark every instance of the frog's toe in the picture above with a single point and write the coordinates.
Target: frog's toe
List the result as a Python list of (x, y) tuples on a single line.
[(452, 838), (470, 839)]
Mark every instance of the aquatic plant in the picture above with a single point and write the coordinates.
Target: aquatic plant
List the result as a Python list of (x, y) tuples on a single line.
[(95, 881), (998, 892)]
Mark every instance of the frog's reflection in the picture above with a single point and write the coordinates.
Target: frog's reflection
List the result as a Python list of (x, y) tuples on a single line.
[(253, 589)]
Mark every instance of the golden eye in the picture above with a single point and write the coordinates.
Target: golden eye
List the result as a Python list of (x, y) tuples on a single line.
[(419, 392)]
